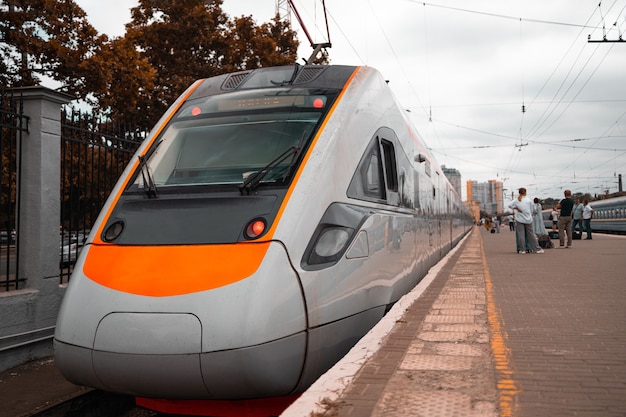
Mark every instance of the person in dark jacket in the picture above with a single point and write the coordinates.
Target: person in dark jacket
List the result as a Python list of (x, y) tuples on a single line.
[(565, 219)]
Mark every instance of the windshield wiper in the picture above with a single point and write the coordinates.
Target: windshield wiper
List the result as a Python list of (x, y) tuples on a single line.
[(149, 187), (292, 164), (255, 179)]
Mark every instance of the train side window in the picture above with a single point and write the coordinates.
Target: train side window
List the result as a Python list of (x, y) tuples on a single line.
[(416, 190), (368, 181), (391, 170), (404, 195), (373, 170), (377, 177)]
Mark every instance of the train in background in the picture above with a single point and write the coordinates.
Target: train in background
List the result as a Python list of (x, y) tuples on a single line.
[(269, 221), (609, 216)]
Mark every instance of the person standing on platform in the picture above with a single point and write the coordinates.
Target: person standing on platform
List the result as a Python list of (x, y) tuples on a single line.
[(524, 222), (587, 216), (496, 223), (511, 221), (565, 219), (554, 216), (577, 216), (538, 226)]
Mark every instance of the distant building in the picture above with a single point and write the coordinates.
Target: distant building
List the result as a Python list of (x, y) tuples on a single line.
[(454, 176), (474, 209), (489, 194)]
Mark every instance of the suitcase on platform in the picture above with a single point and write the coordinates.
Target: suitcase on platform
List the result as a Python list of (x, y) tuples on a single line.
[(545, 242), (576, 235)]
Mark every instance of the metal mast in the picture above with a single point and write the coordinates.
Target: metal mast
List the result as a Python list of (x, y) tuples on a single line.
[(283, 11), (284, 8)]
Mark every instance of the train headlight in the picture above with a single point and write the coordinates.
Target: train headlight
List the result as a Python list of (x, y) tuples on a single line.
[(330, 244), (113, 231), (333, 235), (331, 241)]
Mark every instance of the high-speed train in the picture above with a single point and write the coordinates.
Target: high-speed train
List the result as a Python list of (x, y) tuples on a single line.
[(270, 219)]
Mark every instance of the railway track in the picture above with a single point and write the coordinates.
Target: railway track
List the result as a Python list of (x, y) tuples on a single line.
[(97, 404)]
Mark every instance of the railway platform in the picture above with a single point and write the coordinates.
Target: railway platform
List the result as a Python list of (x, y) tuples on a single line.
[(488, 332), (491, 332)]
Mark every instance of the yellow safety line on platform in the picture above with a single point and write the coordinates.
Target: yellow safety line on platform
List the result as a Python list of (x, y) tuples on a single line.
[(507, 387)]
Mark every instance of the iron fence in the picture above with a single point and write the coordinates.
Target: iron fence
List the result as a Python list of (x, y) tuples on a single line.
[(13, 123), (93, 155)]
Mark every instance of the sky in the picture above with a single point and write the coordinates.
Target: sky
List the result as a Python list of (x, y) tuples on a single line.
[(508, 90)]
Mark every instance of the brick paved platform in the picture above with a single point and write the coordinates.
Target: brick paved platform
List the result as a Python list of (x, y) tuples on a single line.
[(493, 333)]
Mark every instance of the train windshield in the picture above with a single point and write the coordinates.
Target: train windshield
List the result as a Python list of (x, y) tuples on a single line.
[(226, 139)]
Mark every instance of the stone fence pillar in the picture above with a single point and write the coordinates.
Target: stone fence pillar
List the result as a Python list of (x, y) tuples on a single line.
[(28, 316)]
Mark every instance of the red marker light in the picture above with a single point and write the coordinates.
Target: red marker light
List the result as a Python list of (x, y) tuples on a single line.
[(318, 103), (255, 229), (196, 111)]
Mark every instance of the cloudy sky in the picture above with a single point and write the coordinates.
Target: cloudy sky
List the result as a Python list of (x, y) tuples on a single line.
[(465, 69)]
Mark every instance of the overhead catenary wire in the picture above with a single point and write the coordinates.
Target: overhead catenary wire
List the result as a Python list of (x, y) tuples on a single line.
[(515, 158), (554, 71), (430, 109), (498, 15), (556, 103), (540, 123), (569, 103)]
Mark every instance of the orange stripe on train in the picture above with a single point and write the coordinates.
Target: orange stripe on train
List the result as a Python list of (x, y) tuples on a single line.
[(161, 271)]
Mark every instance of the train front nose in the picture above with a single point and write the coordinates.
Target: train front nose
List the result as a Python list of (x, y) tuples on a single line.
[(143, 353), (243, 340)]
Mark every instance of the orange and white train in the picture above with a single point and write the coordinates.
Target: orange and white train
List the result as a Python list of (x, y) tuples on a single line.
[(270, 219)]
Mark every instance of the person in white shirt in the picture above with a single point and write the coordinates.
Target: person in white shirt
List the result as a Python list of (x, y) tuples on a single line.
[(539, 226), (523, 208), (587, 216), (577, 215), (555, 218)]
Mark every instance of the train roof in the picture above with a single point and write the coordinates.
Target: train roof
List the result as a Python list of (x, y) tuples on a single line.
[(304, 76), (609, 202)]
